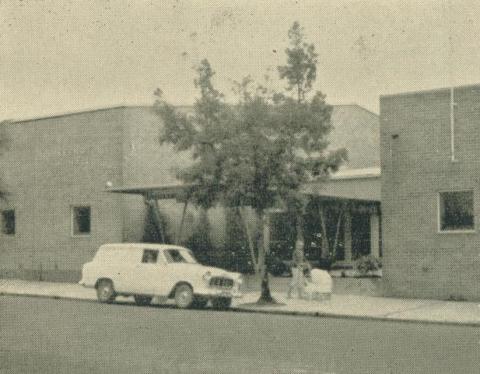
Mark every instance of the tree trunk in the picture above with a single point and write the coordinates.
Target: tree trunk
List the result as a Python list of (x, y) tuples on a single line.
[(243, 220), (337, 232), (300, 243), (263, 248), (325, 244)]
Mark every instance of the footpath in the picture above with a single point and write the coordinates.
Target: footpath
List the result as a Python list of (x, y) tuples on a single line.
[(339, 306)]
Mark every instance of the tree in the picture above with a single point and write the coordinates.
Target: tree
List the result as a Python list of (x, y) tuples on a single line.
[(308, 120), (259, 151)]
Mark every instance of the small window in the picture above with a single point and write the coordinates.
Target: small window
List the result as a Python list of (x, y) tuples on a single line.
[(456, 211), (174, 255), (150, 256), (81, 220), (8, 222)]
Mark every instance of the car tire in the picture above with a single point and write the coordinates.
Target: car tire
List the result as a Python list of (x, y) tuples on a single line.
[(184, 296), (199, 302), (105, 291), (222, 303), (141, 300)]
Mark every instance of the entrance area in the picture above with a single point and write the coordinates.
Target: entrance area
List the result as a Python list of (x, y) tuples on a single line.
[(336, 231)]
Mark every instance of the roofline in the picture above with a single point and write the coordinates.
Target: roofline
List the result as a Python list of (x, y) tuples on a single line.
[(137, 245), (74, 113), (147, 188), (126, 106), (359, 106), (363, 173), (432, 90)]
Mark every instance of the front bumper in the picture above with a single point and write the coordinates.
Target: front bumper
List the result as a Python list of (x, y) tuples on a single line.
[(218, 292)]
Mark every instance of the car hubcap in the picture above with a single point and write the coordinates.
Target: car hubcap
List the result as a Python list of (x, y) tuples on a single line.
[(184, 297), (105, 291)]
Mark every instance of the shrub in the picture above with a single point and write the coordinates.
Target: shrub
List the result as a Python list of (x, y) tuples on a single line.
[(277, 267), (368, 263)]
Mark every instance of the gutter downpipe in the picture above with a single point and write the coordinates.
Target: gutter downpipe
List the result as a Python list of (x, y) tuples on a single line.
[(452, 124)]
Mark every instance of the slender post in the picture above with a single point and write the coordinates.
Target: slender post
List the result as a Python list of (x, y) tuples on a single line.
[(153, 205), (452, 123), (182, 221), (348, 236), (375, 234)]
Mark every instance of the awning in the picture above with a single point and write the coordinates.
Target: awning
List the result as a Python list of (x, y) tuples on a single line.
[(157, 192), (357, 184)]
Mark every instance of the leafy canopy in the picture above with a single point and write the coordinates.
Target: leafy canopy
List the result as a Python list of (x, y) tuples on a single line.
[(260, 150)]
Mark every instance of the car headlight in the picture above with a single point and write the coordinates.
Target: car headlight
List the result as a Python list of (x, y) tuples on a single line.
[(206, 277)]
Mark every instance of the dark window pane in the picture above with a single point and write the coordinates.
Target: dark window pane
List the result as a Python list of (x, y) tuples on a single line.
[(150, 256), (456, 211), (174, 255), (81, 220), (8, 220)]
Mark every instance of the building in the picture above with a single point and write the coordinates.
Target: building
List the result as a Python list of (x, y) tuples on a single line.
[(60, 173), (430, 160)]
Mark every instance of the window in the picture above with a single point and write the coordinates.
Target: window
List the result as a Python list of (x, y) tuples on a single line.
[(150, 256), (81, 220), (8, 222), (174, 255), (456, 211)]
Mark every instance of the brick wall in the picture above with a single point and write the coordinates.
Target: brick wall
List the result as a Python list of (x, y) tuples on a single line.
[(55, 163), (51, 165), (420, 261), (146, 162)]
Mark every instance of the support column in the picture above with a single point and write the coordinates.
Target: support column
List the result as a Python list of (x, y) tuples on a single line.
[(153, 205), (178, 238), (375, 235), (348, 236)]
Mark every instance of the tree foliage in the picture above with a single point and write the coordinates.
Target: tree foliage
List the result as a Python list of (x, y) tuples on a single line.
[(260, 150)]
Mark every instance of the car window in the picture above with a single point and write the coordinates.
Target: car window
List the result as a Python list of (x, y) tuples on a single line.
[(175, 255), (150, 256)]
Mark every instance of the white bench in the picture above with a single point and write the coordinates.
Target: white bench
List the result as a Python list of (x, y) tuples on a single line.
[(320, 286)]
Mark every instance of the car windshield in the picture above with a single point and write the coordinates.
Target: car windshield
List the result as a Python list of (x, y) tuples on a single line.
[(176, 255)]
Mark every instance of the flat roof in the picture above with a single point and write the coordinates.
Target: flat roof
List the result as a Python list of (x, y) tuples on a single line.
[(158, 192), (431, 90), (373, 172), (353, 184), (183, 107)]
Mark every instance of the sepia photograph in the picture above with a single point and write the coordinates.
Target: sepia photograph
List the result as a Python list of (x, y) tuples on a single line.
[(213, 186)]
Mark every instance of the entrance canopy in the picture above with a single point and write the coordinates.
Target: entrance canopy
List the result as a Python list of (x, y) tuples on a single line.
[(156, 192), (355, 184)]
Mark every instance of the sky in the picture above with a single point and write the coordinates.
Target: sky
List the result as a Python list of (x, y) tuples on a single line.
[(63, 56)]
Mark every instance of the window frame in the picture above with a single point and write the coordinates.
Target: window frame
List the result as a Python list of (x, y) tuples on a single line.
[(155, 252), (439, 213), (4, 231), (72, 221)]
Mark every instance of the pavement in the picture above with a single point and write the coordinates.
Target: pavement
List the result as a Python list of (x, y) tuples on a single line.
[(340, 305)]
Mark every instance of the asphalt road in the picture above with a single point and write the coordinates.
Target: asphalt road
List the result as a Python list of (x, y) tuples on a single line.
[(64, 336)]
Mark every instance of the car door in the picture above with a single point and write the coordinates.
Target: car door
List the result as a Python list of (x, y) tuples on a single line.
[(175, 269), (126, 270), (151, 273)]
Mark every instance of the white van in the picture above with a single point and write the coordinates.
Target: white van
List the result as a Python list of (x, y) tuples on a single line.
[(146, 270)]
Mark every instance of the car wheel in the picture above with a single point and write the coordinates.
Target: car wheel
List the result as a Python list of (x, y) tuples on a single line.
[(105, 291), (222, 303), (183, 296), (142, 300), (199, 302)]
